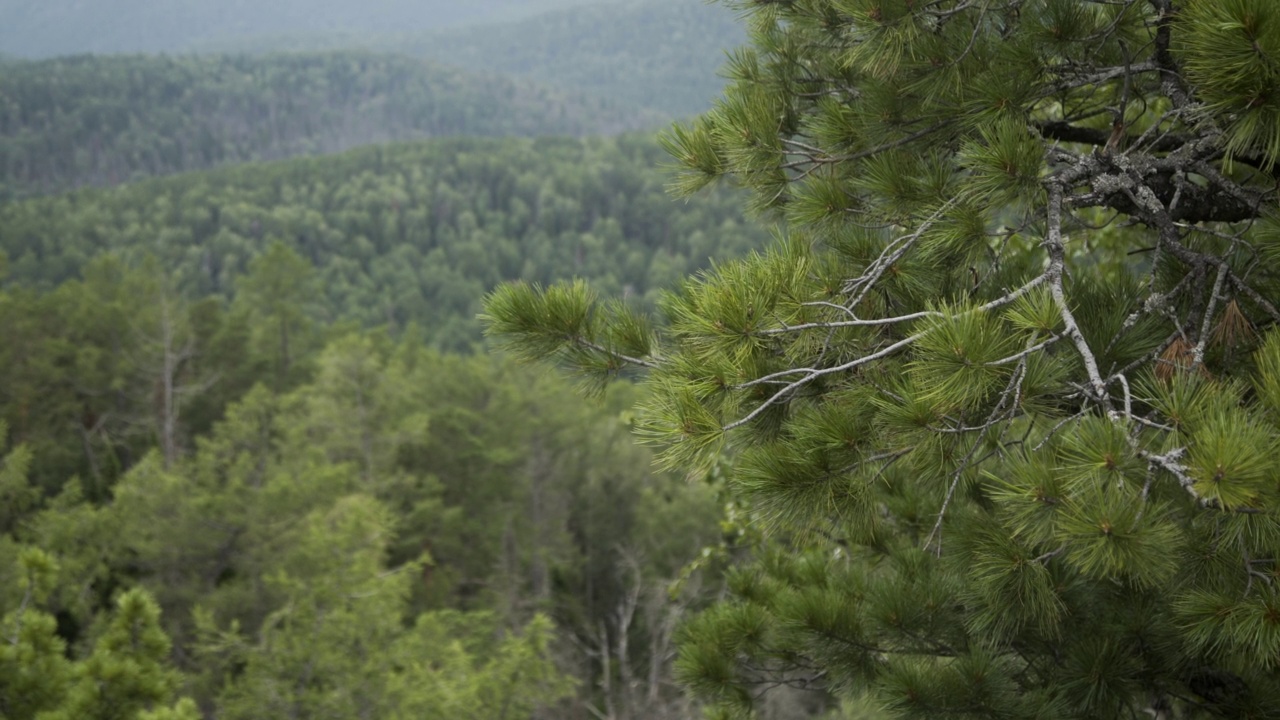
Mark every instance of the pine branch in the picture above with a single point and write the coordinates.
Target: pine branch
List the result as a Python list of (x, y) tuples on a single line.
[(1197, 353), (1054, 243), (836, 324), (583, 342), (1025, 353), (811, 374), (1009, 397)]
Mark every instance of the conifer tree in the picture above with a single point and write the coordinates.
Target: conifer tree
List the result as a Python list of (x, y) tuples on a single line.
[(276, 292), (127, 675), (34, 670), (339, 646), (1005, 393)]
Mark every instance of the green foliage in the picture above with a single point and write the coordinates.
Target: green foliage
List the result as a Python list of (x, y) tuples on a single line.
[(1000, 399), (103, 368), (568, 320), (17, 495), (278, 291), (184, 709), (126, 672), (450, 666), (339, 611), (218, 486), (305, 532), (1230, 50), (34, 672), (394, 235), (126, 676)]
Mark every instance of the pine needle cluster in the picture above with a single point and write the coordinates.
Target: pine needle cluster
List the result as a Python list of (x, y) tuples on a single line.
[(1005, 393)]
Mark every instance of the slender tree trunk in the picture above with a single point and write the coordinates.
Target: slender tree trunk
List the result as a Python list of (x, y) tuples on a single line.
[(282, 368), (168, 378)]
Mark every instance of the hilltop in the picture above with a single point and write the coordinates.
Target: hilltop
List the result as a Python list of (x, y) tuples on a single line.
[(86, 120)]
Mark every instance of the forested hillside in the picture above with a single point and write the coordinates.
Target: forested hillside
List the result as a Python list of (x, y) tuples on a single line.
[(391, 530), (397, 234), (200, 445), (41, 28), (662, 55), (104, 120), (255, 459)]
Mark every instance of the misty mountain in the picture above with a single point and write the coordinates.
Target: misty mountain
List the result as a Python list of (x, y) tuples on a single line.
[(43, 28), (658, 54), (89, 120), (661, 54)]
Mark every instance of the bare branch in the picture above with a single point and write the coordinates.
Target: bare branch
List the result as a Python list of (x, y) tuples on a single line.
[(1054, 243)]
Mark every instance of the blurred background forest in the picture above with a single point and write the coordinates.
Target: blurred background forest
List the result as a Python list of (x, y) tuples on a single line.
[(256, 459)]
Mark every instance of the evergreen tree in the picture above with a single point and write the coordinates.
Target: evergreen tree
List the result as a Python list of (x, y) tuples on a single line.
[(127, 672), (34, 671), (276, 291), (338, 648), (1005, 394)]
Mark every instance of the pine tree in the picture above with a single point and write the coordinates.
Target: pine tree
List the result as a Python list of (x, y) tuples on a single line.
[(338, 647), (1005, 393), (276, 292), (34, 671), (127, 675)]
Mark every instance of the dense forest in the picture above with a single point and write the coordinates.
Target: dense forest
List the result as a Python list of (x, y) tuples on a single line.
[(397, 234), (984, 426), (228, 432), (59, 27), (393, 531), (257, 458), (88, 120)]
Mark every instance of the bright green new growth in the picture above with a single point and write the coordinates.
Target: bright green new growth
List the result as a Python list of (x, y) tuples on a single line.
[(125, 677), (1006, 393)]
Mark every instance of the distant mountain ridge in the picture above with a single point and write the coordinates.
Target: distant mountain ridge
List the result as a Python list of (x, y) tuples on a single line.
[(89, 120), (658, 54), (45, 28)]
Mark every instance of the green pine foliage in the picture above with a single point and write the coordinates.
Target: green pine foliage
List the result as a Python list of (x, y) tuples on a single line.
[(126, 675), (127, 672), (34, 672), (338, 639), (1002, 396)]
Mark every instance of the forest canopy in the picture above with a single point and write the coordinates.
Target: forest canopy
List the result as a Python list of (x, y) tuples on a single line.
[(225, 432), (253, 461), (397, 234)]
